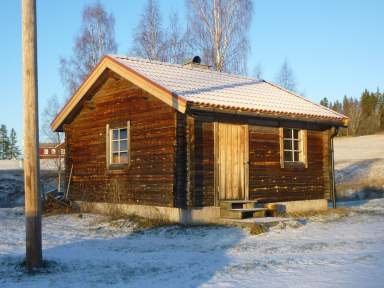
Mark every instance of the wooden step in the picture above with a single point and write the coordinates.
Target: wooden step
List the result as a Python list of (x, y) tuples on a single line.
[(242, 213), (238, 204)]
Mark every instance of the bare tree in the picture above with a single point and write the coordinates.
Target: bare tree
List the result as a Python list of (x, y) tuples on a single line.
[(149, 39), (218, 30), (95, 39), (176, 48), (48, 114), (286, 78)]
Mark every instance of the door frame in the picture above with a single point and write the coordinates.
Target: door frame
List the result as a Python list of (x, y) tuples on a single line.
[(216, 161)]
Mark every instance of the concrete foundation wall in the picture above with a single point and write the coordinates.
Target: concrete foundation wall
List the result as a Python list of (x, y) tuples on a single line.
[(204, 215), (301, 206), (176, 215)]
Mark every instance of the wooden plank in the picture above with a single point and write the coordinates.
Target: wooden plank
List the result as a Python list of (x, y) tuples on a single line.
[(232, 161), (190, 160)]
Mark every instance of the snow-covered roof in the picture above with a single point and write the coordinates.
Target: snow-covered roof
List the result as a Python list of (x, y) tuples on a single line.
[(183, 85), (206, 87)]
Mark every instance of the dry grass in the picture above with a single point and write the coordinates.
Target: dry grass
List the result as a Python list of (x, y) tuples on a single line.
[(140, 222), (52, 207), (365, 188), (115, 215), (340, 212)]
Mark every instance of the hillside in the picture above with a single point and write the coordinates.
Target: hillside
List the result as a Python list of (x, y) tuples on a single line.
[(360, 166), (12, 181)]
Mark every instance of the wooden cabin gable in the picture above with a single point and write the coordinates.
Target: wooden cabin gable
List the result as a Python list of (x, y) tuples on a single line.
[(148, 178)]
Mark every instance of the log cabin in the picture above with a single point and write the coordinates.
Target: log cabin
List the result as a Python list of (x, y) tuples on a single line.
[(192, 144)]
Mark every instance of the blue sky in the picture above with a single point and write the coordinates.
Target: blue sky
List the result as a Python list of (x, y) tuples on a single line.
[(335, 47)]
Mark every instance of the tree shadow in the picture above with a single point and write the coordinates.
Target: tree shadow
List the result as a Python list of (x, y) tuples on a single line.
[(173, 256)]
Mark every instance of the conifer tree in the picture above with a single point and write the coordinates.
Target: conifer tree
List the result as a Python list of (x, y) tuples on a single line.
[(324, 102), (13, 151), (4, 142)]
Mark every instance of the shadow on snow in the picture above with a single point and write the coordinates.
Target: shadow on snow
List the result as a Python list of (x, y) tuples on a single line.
[(172, 256)]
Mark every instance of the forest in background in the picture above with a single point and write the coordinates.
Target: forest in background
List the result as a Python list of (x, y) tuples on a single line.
[(366, 114)]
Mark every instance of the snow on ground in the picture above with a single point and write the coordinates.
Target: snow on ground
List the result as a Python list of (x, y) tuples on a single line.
[(323, 251), (350, 149), (359, 163), (11, 188), (12, 181)]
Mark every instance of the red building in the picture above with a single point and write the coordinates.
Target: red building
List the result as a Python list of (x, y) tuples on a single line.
[(51, 150)]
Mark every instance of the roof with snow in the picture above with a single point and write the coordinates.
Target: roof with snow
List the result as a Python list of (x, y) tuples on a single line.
[(182, 85)]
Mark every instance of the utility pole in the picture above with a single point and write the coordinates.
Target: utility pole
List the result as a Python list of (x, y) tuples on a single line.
[(31, 137)]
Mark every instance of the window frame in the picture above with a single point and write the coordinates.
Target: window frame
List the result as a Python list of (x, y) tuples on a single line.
[(301, 149), (109, 147), (293, 140)]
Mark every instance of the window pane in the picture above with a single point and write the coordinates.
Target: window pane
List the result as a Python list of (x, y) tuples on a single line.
[(296, 133), (297, 145), (287, 144), (123, 157), (115, 146), (115, 134), (287, 156), (296, 154), (287, 133), (123, 133), (115, 157), (123, 145)]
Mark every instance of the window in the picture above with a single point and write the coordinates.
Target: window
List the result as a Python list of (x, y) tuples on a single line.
[(293, 146), (45, 151), (53, 151), (62, 151), (119, 145)]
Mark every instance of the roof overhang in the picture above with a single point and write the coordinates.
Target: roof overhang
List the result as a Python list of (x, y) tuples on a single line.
[(125, 72), (336, 122)]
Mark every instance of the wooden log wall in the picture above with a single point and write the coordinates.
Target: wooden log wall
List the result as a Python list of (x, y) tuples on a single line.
[(266, 177), (200, 163), (293, 182), (149, 179)]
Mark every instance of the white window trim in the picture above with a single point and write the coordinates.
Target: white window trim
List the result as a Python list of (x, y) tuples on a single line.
[(302, 138), (109, 140), (293, 150)]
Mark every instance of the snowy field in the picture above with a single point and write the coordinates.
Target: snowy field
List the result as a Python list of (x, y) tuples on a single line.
[(334, 250), (322, 251), (359, 163)]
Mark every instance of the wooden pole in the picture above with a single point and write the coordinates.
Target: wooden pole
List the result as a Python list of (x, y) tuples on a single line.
[(31, 137)]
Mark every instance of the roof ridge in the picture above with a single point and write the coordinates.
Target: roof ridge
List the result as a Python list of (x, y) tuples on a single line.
[(305, 99), (181, 66)]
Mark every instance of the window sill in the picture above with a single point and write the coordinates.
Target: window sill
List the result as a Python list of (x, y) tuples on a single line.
[(300, 165), (118, 167)]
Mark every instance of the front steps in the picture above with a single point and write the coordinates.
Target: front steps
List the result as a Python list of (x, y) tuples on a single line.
[(241, 209)]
